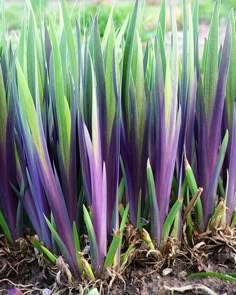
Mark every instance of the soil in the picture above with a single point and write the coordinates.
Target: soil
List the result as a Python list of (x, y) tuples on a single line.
[(146, 282), (28, 271)]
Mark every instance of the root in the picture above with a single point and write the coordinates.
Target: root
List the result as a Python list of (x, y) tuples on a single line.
[(196, 287)]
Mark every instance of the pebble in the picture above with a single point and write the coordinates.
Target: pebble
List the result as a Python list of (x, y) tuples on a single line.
[(166, 271), (46, 291)]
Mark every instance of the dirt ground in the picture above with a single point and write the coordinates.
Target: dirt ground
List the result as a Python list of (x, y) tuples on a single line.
[(24, 269), (148, 282)]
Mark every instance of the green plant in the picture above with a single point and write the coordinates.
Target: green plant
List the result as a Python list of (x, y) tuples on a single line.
[(96, 130)]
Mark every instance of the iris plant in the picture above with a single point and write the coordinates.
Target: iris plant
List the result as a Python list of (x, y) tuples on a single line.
[(95, 132)]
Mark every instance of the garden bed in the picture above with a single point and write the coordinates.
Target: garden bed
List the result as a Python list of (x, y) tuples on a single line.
[(24, 269)]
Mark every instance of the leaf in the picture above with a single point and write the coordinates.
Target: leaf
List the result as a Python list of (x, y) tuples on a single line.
[(31, 56), (92, 237), (231, 85), (211, 67), (88, 270), (70, 41), (217, 216), (139, 223), (108, 31), (5, 228), (124, 219), (77, 247), (195, 34), (194, 189), (110, 95), (3, 113), (60, 104), (147, 239), (44, 250), (212, 193), (27, 106), (191, 204), (140, 97), (120, 196), (155, 222), (127, 58), (170, 219), (121, 189), (3, 27), (161, 31), (213, 275), (121, 33), (59, 241), (162, 18), (113, 249)]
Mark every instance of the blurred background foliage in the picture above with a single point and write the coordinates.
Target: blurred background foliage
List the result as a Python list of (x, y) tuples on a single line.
[(86, 9)]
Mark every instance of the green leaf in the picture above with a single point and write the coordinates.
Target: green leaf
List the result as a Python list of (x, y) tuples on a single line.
[(174, 67), (195, 33), (211, 66), (121, 189), (127, 58), (3, 112), (3, 27), (70, 42), (216, 172), (124, 218), (139, 223), (170, 219), (88, 270), (191, 204), (162, 19), (213, 275), (92, 236), (139, 88), (161, 31), (147, 239), (194, 189), (125, 256), (113, 249), (59, 241), (60, 105), (233, 220), (77, 247), (155, 223), (121, 33), (231, 85), (108, 33), (28, 108), (5, 228), (110, 96), (44, 250), (21, 46), (31, 56), (123, 223), (217, 216)]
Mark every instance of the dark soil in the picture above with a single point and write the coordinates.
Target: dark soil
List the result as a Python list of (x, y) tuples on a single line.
[(146, 282), (26, 270)]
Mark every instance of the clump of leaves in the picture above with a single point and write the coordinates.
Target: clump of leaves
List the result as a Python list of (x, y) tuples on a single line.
[(99, 130)]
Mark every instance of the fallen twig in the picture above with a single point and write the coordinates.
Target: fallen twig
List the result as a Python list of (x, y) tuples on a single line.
[(195, 287)]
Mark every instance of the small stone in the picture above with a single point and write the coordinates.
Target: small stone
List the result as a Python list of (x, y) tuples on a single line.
[(47, 291), (166, 271), (139, 273)]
